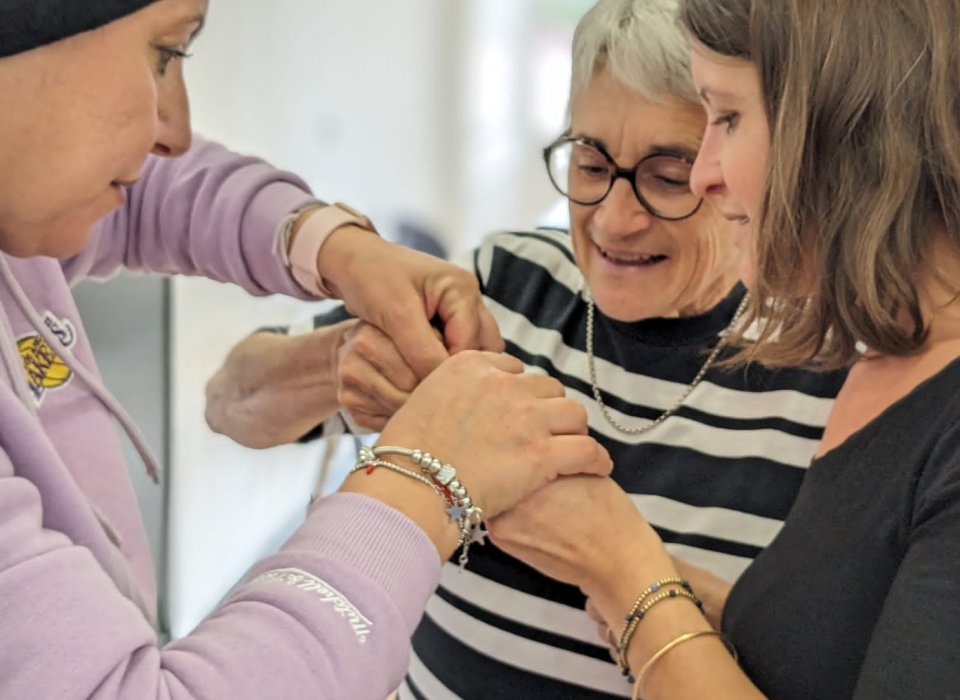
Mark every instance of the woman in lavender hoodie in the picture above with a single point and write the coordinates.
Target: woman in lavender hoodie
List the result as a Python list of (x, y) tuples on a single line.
[(91, 89)]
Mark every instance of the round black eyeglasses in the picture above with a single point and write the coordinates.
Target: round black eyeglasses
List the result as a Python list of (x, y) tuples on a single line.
[(582, 170)]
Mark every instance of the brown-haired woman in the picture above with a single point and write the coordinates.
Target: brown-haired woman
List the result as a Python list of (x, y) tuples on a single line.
[(834, 139)]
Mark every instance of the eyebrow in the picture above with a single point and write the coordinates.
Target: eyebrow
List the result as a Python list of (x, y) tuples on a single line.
[(706, 92), (197, 19), (200, 20), (677, 150)]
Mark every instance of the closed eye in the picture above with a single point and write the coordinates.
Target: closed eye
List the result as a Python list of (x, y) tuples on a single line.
[(168, 54), (730, 119)]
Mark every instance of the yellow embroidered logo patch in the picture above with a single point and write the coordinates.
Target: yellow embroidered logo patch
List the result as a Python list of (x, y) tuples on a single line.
[(45, 369)]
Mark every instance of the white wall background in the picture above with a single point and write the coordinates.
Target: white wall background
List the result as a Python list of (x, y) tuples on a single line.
[(431, 110)]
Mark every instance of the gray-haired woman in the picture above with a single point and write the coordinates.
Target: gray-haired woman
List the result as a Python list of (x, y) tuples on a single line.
[(627, 310)]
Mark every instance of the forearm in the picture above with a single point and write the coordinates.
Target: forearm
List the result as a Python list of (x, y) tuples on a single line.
[(272, 388), (717, 675), (210, 212)]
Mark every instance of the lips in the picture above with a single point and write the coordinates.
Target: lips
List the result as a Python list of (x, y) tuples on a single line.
[(630, 259), (741, 219)]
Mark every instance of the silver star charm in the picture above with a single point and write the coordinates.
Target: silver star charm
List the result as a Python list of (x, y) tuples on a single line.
[(478, 535), (455, 513)]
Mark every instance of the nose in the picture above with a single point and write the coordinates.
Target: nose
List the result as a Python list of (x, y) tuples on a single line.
[(173, 117), (620, 212), (706, 177)]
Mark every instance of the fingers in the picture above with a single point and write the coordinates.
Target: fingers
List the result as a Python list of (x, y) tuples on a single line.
[(490, 338), (419, 346), (377, 398), (471, 327), (566, 417), (504, 363), (381, 354), (374, 380), (542, 386), (369, 421), (578, 454)]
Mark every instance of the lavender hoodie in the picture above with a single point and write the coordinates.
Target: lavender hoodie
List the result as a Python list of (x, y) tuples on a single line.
[(328, 616)]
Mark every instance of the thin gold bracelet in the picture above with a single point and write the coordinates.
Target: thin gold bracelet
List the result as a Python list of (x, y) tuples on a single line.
[(653, 588), (669, 646), (639, 612)]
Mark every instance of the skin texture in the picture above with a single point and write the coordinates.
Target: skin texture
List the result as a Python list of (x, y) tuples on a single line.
[(421, 287), (507, 433), (730, 167), (241, 398), (80, 120), (700, 265), (612, 553)]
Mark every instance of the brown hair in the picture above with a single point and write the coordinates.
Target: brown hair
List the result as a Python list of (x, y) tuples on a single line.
[(863, 102)]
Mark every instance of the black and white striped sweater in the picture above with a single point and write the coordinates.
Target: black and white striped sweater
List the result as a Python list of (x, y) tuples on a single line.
[(716, 479)]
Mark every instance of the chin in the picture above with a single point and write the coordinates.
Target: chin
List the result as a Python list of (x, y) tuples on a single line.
[(69, 244), (614, 308), (61, 242)]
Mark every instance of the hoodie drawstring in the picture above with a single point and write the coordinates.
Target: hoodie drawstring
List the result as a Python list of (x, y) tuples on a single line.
[(88, 378)]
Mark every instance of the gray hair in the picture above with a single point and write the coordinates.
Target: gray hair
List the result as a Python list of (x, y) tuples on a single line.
[(641, 44)]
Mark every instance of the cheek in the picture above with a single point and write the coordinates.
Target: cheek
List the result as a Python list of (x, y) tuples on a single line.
[(130, 120), (751, 163), (704, 248), (579, 236), (140, 123)]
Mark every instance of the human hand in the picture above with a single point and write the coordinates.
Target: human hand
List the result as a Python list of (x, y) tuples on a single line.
[(579, 530), (273, 388), (374, 380), (507, 433), (400, 290)]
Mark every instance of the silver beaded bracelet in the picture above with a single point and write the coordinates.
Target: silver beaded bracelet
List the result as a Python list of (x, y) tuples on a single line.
[(442, 478), (370, 465)]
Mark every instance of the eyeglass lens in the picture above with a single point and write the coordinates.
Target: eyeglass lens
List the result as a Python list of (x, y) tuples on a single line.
[(585, 175)]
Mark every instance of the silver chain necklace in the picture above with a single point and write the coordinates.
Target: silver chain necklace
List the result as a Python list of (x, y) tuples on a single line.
[(693, 385)]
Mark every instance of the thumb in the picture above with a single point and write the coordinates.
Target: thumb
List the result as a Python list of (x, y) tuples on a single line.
[(417, 342)]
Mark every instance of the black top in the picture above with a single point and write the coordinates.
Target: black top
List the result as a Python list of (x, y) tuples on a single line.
[(859, 595)]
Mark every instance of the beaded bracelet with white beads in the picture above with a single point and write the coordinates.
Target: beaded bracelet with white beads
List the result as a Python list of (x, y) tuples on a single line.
[(461, 508), (371, 464)]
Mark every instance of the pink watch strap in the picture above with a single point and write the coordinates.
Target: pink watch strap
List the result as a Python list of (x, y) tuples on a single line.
[(310, 238)]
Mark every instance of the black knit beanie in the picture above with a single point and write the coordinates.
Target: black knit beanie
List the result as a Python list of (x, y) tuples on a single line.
[(27, 24)]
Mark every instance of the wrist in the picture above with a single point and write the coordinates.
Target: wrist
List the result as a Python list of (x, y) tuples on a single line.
[(306, 237), (614, 584), (335, 259), (414, 500)]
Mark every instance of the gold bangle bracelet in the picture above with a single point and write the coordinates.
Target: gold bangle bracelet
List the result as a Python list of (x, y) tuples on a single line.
[(669, 646)]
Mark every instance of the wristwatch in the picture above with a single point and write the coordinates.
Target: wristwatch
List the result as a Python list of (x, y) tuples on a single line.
[(301, 255)]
